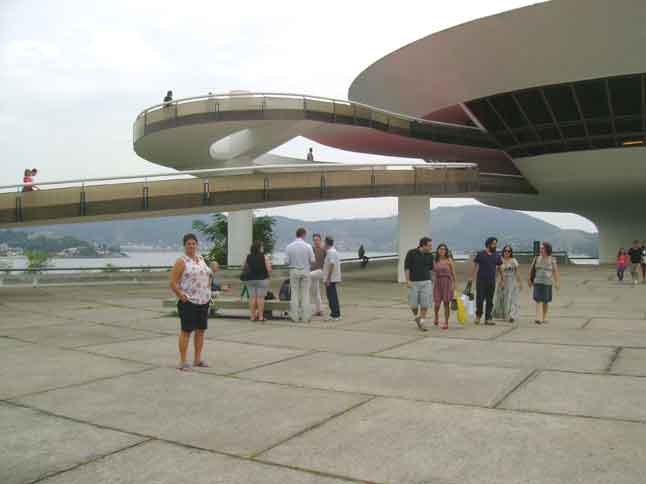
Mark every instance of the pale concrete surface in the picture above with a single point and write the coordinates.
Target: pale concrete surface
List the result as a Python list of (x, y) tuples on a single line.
[(222, 356), (630, 361), (606, 396), (439, 382), (75, 334), (29, 368), (224, 414), (355, 400), (405, 442), (585, 337), (163, 463), (34, 445), (322, 339), (513, 355)]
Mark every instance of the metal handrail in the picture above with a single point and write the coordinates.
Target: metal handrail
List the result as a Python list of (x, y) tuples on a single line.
[(304, 97), (254, 169)]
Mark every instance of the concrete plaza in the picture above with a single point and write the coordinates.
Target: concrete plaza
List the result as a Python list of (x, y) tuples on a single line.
[(89, 391)]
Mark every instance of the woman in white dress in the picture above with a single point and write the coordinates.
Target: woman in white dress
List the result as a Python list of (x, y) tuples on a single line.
[(506, 301)]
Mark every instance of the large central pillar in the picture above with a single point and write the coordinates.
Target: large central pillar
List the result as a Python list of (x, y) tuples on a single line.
[(618, 230), (414, 223), (239, 234)]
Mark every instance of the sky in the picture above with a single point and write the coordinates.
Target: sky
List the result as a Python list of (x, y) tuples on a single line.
[(74, 74)]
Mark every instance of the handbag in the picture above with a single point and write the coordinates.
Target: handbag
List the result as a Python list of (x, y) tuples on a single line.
[(468, 291), (532, 271), (244, 275)]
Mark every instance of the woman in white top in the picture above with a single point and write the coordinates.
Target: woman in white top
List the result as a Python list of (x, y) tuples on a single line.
[(543, 274), (506, 305), (190, 281)]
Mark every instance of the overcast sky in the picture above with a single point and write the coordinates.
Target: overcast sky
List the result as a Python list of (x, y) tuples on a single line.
[(75, 74)]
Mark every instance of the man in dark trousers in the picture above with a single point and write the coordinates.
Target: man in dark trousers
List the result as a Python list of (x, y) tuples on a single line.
[(417, 267), (635, 254), (486, 266)]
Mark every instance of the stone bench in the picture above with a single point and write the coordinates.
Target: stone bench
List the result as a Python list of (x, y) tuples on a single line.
[(219, 305)]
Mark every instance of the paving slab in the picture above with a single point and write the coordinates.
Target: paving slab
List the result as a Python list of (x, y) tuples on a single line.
[(618, 324), (11, 320), (170, 325), (165, 463), (630, 361), (439, 382), (303, 337), (406, 326), (34, 445), (222, 356), (76, 334), (604, 396), (554, 322), (28, 368), (582, 337), (506, 354), (405, 442), (206, 411), (107, 314)]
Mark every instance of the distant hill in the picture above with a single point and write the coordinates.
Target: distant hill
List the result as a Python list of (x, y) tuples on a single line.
[(462, 228)]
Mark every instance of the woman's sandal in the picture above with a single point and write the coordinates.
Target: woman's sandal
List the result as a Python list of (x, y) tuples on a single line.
[(444, 326), (184, 367), (202, 364)]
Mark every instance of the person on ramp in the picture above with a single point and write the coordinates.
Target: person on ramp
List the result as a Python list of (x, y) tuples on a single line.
[(486, 266)]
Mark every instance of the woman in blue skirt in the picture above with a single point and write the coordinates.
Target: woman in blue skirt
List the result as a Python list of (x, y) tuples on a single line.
[(543, 275)]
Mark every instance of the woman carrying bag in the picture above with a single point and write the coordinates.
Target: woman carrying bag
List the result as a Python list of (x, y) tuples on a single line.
[(542, 276)]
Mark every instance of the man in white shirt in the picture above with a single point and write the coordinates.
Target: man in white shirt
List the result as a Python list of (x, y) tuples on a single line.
[(332, 276), (299, 257)]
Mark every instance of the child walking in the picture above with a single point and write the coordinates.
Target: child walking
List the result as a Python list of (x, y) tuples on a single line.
[(622, 260)]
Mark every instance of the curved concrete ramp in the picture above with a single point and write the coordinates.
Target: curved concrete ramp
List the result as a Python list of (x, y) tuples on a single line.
[(235, 129), (250, 187)]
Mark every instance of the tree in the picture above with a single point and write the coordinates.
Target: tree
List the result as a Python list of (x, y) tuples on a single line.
[(37, 260), (217, 230)]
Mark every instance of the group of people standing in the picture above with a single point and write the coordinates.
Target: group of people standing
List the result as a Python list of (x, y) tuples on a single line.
[(636, 258), (431, 278), (28, 180), (309, 267)]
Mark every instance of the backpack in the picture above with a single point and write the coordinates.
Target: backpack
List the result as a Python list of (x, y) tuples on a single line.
[(285, 292)]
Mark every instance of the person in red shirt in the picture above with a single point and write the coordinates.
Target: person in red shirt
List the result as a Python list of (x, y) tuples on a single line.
[(622, 260), (27, 178)]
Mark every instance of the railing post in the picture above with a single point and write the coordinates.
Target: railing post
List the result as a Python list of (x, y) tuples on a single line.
[(145, 195), (206, 192), (415, 181), (323, 186), (373, 181), (266, 187), (82, 201), (19, 207)]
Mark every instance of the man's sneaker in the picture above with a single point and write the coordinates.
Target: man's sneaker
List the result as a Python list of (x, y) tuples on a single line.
[(420, 324), (331, 318), (489, 323), (476, 321)]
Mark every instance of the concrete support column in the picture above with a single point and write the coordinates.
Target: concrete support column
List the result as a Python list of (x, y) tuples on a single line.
[(618, 231), (239, 234), (414, 223)]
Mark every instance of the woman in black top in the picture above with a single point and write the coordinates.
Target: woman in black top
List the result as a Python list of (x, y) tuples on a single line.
[(257, 270)]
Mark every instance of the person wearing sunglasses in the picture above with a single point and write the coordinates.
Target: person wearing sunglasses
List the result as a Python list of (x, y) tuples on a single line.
[(506, 301)]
